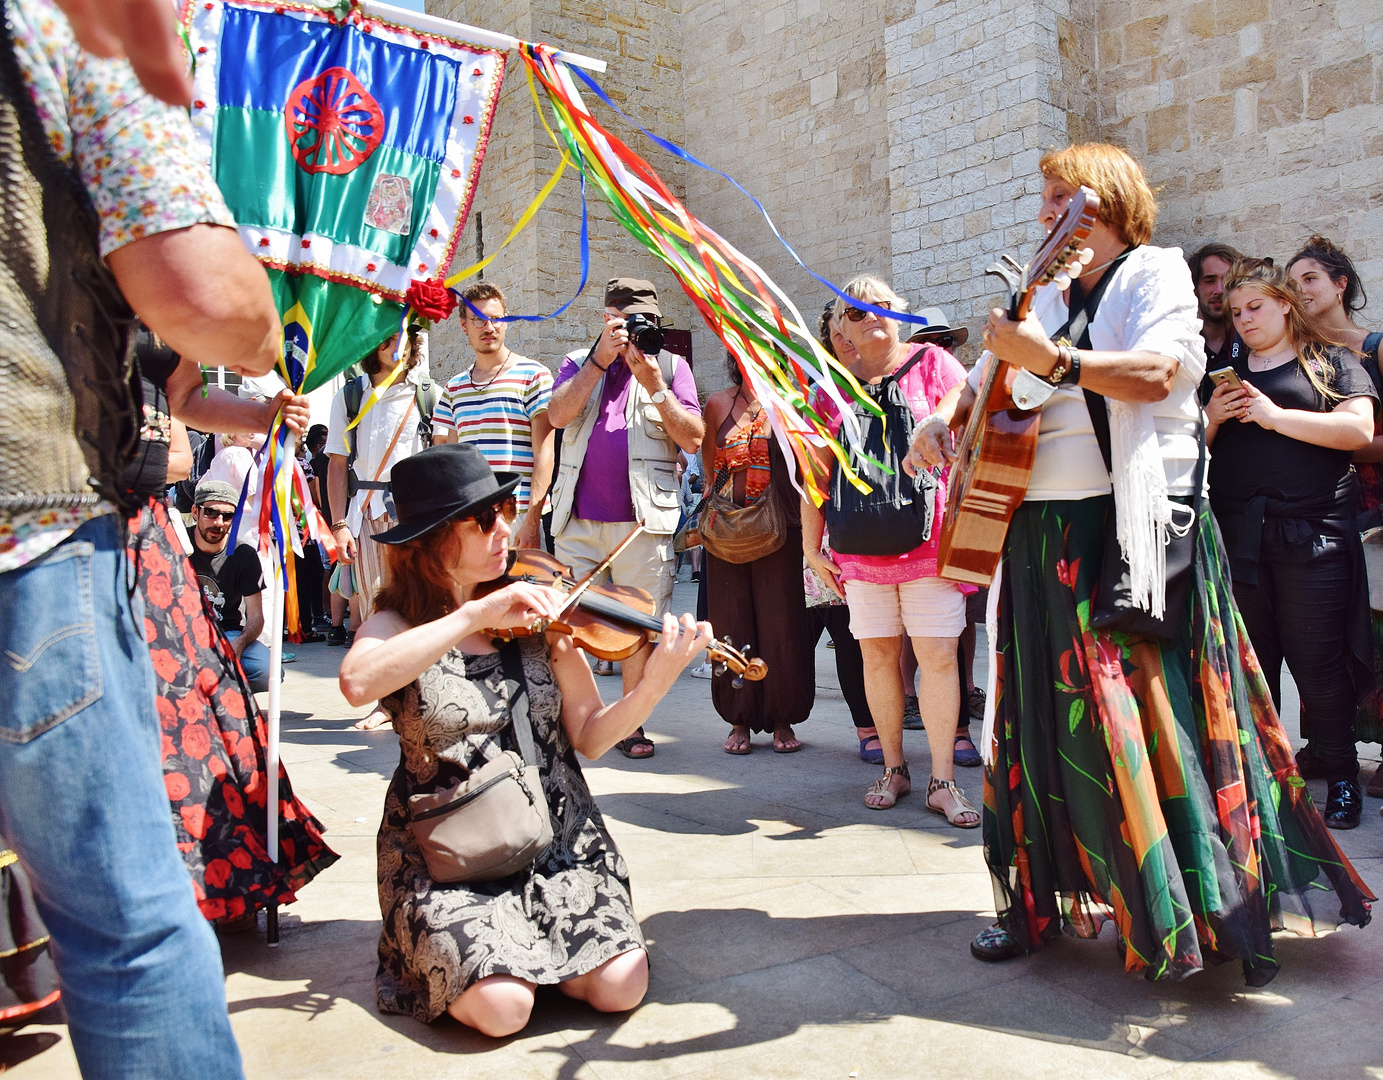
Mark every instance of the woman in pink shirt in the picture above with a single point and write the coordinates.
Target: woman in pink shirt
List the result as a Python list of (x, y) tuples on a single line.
[(894, 595)]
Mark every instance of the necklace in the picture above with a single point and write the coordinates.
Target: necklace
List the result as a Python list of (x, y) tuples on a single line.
[(500, 371), (1263, 362)]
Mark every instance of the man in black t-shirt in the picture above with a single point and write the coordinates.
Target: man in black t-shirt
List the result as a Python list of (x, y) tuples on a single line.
[(1209, 268), (228, 577)]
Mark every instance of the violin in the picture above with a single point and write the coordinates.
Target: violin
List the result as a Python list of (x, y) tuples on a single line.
[(608, 621)]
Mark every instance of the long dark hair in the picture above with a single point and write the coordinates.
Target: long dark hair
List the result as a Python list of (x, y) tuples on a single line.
[(370, 363), (1338, 265)]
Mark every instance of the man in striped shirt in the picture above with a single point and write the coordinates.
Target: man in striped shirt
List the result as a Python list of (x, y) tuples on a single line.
[(500, 405)]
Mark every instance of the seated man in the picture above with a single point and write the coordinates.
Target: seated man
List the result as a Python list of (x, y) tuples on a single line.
[(228, 576)]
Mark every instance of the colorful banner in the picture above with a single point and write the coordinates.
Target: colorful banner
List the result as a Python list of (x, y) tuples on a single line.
[(348, 148)]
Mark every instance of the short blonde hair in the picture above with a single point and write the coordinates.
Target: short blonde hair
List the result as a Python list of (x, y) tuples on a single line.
[(1127, 204), (871, 289)]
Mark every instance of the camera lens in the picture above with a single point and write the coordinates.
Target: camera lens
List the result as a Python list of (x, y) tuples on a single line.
[(646, 334)]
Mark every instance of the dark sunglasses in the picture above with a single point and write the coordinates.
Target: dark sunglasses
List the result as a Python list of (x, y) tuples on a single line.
[(217, 515), (486, 518), (855, 314)]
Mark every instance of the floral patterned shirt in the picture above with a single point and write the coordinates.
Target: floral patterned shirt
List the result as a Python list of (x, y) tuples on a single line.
[(136, 158)]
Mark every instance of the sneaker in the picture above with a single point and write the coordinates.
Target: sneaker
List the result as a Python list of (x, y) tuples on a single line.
[(975, 703), (703, 671), (288, 657), (912, 715), (321, 624), (350, 638), (336, 636)]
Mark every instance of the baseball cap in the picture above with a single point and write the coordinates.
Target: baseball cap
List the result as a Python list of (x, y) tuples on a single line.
[(215, 491), (632, 296)]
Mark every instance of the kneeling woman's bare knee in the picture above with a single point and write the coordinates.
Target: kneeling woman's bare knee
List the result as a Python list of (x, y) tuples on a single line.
[(496, 1006), (618, 985)]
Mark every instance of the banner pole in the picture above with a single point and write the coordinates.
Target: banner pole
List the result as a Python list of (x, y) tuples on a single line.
[(271, 751), (446, 28)]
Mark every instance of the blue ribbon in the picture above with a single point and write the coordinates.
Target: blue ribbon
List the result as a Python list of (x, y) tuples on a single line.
[(677, 151), (585, 265)]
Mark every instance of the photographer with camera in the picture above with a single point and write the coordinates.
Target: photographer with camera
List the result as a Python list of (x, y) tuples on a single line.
[(624, 412)]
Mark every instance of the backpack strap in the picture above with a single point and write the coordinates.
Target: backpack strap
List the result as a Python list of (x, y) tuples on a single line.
[(354, 396), (426, 395)]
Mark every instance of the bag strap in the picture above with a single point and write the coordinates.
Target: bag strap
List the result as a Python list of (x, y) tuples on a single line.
[(511, 657), (379, 471), (1077, 331)]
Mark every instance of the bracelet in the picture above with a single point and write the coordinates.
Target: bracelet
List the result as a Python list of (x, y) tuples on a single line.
[(1063, 365), (341, 525), (596, 364), (1072, 375)]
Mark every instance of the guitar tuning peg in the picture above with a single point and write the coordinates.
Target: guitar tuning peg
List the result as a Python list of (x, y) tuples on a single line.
[(1075, 268), (1062, 281), (737, 682), (1087, 256), (718, 668)]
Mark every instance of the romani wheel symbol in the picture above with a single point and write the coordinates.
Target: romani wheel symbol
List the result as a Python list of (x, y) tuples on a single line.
[(333, 123)]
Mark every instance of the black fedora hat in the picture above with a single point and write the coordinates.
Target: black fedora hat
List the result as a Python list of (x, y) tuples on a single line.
[(440, 483)]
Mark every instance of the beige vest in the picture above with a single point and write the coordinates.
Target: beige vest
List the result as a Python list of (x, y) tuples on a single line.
[(652, 457)]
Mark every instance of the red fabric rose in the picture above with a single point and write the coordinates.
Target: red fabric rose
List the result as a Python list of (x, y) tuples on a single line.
[(192, 709), (241, 858), (201, 630), (194, 820), (177, 786), (150, 632), (234, 803), (166, 666), (159, 591), (234, 705), (207, 682), (430, 299), (217, 873), (217, 767), (167, 715), (168, 750), (153, 560), (196, 742), (179, 620)]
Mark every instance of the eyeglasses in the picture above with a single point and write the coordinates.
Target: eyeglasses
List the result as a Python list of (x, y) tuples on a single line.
[(216, 515), (855, 314), (483, 320), (486, 518)]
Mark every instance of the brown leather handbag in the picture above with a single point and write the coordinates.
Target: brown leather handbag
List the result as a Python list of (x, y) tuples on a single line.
[(496, 821), (740, 534)]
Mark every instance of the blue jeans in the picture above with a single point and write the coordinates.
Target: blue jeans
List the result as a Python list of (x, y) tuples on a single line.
[(255, 661), (82, 802)]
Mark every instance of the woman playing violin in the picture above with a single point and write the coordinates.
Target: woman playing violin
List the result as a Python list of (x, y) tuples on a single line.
[(479, 950)]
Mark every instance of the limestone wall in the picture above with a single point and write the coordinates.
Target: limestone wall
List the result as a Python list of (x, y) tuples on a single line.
[(789, 99), (642, 42), (1260, 120)]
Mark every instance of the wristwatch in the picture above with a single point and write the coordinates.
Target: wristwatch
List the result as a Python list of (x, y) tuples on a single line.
[(660, 397)]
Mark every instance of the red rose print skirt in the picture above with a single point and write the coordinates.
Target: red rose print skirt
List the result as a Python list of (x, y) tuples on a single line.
[(213, 742)]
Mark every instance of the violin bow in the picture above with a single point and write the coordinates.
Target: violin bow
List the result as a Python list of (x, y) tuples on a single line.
[(585, 582)]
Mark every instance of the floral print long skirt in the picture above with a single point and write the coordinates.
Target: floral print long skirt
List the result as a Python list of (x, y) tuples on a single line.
[(1144, 781), (214, 739)]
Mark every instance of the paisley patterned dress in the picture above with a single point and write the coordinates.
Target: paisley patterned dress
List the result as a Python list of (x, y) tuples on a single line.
[(563, 916)]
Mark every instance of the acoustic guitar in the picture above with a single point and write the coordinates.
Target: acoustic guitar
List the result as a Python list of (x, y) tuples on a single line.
[(995, 452)]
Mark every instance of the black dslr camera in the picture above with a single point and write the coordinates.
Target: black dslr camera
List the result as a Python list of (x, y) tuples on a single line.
[(645, 332)]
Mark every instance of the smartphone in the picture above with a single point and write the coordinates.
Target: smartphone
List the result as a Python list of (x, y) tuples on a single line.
[(1226, 375)]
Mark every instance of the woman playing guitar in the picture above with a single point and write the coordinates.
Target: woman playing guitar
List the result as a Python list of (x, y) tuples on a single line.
[(1141, 778)]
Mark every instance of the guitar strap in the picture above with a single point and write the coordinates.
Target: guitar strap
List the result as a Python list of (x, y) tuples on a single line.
[(1077, 332)]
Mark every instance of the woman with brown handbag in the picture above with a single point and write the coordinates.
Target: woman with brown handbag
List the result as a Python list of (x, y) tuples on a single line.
[(751, 531), (478, 948)]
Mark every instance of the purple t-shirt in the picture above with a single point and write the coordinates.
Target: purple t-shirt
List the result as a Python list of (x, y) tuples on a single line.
[(602, 489)]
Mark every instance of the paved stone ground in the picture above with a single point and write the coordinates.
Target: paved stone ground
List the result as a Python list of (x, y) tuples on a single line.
[(793, 933)]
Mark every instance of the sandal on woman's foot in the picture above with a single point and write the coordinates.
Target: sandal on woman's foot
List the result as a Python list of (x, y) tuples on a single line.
[(960, 814), (871, 755), (965, 754), (994, 945), (637, 745), (738, 742), (885, 792), (786, 744)]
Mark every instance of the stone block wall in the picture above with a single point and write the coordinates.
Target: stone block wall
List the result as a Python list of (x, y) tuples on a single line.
[(788, 97), (972, 105), (1260, 121), (642, 42)]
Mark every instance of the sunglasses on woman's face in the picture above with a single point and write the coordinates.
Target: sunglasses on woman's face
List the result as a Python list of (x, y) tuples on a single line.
[(855, 314), (486, 518)]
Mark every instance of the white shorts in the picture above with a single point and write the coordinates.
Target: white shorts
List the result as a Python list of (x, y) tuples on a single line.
[(927, 607)]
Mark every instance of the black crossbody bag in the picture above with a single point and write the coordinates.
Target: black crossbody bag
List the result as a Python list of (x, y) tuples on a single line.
[(1112, 606)]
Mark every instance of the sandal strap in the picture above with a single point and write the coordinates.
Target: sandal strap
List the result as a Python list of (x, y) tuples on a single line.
[(962, 803)]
